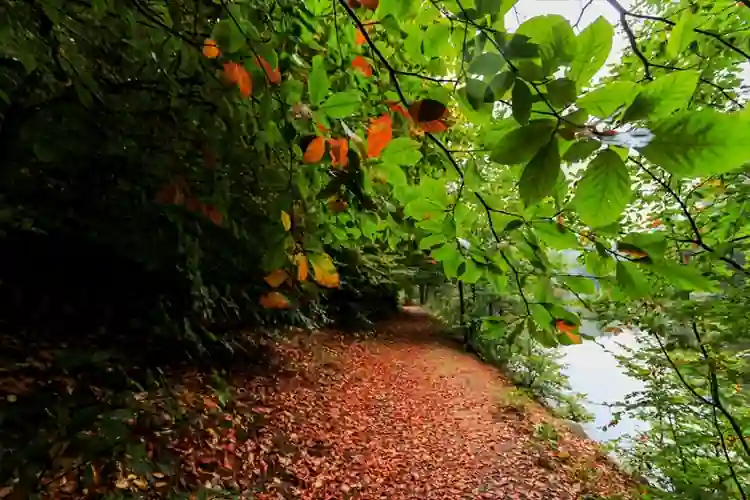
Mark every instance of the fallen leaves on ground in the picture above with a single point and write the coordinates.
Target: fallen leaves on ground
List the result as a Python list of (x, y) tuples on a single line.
[(397, 415)]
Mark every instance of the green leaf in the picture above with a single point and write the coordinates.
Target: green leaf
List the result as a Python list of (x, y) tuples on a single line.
[(582, 285), (541, 315), (663, 96), (604, 101), (682, 33), (593, 46), (683, 277), (555, 38), (604, 190), (501, 84), (521, 144), (700, 143), (489, 63), (399, 9), (561, 92), (580, 150), (342, 104), (540, 174), (555, 236), (436, 38), (317, 84), (450, 257), (521, 102), (632, 281), (394, 174), (402, 151), (431, 240)]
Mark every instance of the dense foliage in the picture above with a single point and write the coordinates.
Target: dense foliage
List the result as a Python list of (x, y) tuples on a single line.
[(186, 167)]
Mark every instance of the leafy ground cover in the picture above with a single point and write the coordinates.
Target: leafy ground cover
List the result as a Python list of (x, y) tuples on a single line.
[(399, 414)]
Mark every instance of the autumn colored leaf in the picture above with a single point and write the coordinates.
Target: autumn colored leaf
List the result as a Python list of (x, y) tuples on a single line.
[(337, 205), (315, 150), (237, 74), (361, 64), (324, 271), (636, 254), (565, 326), (276, 278), (303, 268), (322, 128), (379, 135), (286, 221), (211, 49), (399, 108), (274, 300), (339, 150), (434, 127), (359, 37), (172, 193), (273, 74), (213, 214), (370, 4), (428, 110)]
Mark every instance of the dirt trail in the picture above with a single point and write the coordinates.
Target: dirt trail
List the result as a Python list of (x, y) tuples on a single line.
[(406, 416)]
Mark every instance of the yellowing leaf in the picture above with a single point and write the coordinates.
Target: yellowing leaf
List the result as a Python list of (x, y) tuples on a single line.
[(275, 300), (286, 221), (303, 267), (324, 271), (276, 278), (211, 49), (575, 338)]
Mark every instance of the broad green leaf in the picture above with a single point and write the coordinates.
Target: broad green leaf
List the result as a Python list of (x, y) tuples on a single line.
[(399, 9), (682, 276), (555, 38), (540, 174), (393, 173), (541, 315), (593, 46), (488, 64), (654, 244), (663, 96), (632, 280), (682, 33), (342, 104), (604, 101), (604, 190), (582, 285), (700, 143), (436, 38), (555, 236), (521, 102), (561, 92), (449, 256), (501, 84), (497, 7), (317, 84), (471, 273), (431, 240), (580, 150), (402, 151), (521, 144)]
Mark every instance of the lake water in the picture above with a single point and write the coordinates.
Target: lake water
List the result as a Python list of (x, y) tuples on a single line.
[(594, 371)]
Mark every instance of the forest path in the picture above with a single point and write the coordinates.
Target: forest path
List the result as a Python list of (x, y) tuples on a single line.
[(406, 415)]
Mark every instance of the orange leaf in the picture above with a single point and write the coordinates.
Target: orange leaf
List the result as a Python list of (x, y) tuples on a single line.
[(370, 4), (274, 300), (210, 49), (303, 268), (636, 254), (323, 129), (434, 127), (398, 108), (379, 135), (274, 76), (564, 326), (213, 214), (237, 74), (339, 151), (315, 150), (362, 65), (171, 194), (276, 278), (574, 337), (359, 37)]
